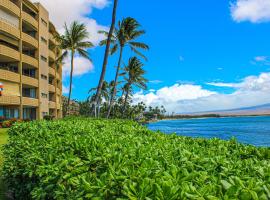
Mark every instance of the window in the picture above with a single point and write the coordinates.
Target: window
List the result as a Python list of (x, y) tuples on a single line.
[(43, 58), (44, 113), (9, 113), (44, 22), (29, 92), (29, 72), (44, 77), (43, 40), (43, 95)]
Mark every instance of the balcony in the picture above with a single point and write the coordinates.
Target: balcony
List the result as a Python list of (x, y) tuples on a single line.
[(7, 4), (30, 102), (9, 52), (30, 20), (9, 100), (30, 60), (52, 105), (58, 76), (51, 38), (12, 30), (9, 76), (51, 88), (58, 91), (30, 81), (51, 54), (30, 40), (52, 71)]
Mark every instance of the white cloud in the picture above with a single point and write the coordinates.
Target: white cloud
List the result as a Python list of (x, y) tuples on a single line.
[(220, 68), (250, 83), (253, 90), (251, 10), (81, 66), (65, 89), (156, 81), (260, 58), (67, 11)]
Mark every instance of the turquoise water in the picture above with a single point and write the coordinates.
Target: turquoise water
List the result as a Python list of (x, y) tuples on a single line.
[(248, 130)]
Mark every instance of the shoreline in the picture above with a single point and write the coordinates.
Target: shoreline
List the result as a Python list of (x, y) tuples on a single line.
[(192, 118)]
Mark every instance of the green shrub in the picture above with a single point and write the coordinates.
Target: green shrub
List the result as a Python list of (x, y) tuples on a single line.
[(48, 117), (99, 159)]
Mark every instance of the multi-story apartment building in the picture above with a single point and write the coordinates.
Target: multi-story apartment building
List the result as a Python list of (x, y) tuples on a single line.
[(29, 74)]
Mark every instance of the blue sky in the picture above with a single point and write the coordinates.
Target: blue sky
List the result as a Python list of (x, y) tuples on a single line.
[(204, 54)]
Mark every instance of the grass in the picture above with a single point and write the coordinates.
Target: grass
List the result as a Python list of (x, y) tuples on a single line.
[(3, 140)]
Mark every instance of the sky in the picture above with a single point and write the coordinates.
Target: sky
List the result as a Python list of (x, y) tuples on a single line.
[(204, 55)]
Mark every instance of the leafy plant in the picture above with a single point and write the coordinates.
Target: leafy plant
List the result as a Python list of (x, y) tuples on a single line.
[(80, 158)]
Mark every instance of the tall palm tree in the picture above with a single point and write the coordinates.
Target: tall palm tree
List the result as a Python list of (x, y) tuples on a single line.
[(125, 35), (135, 77), (74, 42), (105, 61)]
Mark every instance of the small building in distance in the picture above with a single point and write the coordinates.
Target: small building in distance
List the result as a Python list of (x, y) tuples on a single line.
[(74, 107)]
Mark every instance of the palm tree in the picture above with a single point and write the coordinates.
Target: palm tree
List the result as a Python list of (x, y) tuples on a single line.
[(104, 94), (105, 61), (125, 35), (74, 42), (135, 76)]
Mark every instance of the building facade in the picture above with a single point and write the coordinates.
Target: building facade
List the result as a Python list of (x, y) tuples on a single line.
[(73, 109), (30, 78)]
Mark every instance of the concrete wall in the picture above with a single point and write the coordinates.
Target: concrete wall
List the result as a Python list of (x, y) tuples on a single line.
[(43, 66)]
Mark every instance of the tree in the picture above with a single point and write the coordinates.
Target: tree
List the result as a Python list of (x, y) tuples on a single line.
[(125, 35), (105, 61), (104, 94), (74, 42), (135, 77)]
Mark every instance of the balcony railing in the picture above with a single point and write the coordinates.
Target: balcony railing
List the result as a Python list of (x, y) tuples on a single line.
[(10, 100), (51, 88), (9, 76), (51, 37), (30, 60), (58, 76), (30, 81), (9, 52), (51, 54), (52, 105), (29, 19), (10, 6), (26, 101), (30, 40), (52, 71), (8, 28)]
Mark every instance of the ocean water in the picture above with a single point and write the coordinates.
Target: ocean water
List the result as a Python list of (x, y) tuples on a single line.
[(248, 130)]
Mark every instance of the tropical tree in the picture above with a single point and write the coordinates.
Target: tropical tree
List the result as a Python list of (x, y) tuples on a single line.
[(104, 94), (124, 35), (134, 77), (106, 56), (74, 41)]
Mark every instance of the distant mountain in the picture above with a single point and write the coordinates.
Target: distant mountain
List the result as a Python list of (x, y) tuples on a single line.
[(254, 110)]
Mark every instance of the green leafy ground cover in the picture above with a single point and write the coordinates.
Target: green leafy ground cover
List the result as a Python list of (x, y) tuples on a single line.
[(99, 159), (3, 140)]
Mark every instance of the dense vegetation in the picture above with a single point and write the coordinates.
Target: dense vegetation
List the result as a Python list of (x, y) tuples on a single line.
[(99, 159)]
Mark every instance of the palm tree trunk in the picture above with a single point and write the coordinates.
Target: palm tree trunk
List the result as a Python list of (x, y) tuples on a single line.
[(125, 102), (115, 83), (107, 50), (70, 82)]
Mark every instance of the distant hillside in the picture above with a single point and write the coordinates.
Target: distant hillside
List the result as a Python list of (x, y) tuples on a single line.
[(254, 110)]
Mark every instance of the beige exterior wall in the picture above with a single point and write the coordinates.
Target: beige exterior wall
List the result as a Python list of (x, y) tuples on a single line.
[(23, 29)]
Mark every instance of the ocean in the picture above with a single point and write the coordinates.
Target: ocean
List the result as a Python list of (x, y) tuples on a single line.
[(247, 130)]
